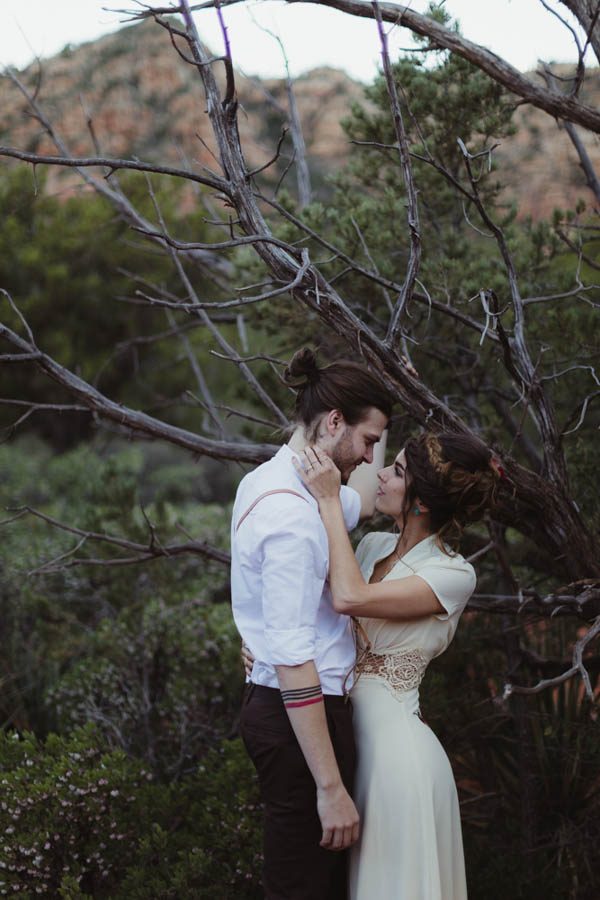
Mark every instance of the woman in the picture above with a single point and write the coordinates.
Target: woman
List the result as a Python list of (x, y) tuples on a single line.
[(408, 592)]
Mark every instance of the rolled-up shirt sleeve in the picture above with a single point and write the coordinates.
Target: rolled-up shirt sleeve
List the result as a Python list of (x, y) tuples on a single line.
[(294, 568)]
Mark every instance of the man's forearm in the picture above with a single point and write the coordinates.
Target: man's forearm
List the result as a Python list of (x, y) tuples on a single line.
[(301, 692)]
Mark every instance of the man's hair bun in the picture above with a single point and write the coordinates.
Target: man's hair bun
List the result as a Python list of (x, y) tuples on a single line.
[(302, 368)]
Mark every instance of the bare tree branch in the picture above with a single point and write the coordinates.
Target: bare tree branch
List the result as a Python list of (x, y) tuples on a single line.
[(303, 180), (112, 164), (564, 295), (578, 668), (493, 65), (580, 599), (138, 422), (517, 353), (586, 12), (412, 269), (579, 413), (142, 552)]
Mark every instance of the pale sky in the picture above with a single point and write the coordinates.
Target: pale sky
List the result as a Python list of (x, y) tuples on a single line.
[(521, 31)]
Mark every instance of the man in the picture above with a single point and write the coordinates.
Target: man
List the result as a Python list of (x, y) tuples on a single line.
[(295, 723)]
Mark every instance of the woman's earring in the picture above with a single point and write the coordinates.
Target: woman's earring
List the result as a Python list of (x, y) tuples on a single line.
[(417, 511)]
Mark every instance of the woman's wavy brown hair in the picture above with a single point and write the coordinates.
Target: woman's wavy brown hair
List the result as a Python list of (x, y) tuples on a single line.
[(453, 476)]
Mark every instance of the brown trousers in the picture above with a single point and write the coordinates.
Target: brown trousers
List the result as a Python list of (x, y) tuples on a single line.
[(295, 866)]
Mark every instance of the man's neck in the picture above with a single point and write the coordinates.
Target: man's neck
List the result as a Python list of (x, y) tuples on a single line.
[(299, 440)]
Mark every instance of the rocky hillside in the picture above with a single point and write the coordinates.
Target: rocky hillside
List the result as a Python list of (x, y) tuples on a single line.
[(143, 100), (539, 164)]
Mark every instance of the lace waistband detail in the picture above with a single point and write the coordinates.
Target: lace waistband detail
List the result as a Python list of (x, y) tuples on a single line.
[(401, 671)]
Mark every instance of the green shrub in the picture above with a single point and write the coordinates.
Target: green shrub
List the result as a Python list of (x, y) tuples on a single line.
[(162, 685), (527, 770), (68, 810), (80, 821), (215, 854), (50, 618)]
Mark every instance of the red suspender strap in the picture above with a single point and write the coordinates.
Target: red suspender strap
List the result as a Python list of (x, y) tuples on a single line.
[(268, 494)]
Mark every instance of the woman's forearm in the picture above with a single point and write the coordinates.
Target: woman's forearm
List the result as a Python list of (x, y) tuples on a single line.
[(364, 478), (345, 578)]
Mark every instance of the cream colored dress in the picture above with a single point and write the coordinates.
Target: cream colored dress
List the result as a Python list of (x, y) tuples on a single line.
[(411, 845)]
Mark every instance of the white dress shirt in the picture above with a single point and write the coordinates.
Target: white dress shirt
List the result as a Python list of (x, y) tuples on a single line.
[(279, 562)]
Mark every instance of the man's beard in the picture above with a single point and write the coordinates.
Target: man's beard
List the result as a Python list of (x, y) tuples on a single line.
[(343, 455)]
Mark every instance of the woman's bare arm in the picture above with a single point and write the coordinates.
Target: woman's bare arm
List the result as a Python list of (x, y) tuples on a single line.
[(398, 598), (403, 598)]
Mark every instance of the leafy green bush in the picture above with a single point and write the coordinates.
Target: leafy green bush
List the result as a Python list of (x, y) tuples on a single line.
[(68, 811), (162, 685), (80, 821), (215, 854), (50, 615)]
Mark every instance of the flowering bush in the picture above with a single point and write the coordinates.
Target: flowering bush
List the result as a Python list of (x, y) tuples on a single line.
[(67, 811), (77, 821)]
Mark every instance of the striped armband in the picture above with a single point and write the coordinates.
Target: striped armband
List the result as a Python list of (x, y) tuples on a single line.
[(302, 697)]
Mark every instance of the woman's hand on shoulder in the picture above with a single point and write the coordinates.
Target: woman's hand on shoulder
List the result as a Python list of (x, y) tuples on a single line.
[(319, 473)]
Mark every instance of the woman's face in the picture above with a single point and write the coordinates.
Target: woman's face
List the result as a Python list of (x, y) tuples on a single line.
[(391, 491)]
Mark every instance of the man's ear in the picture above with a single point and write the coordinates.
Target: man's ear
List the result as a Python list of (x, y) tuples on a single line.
[(333, 421)]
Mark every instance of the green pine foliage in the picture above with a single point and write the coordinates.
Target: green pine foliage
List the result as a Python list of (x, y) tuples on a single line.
[(96, 618), (70, 265)]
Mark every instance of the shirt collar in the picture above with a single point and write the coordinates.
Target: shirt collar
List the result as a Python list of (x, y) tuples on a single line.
[(286, 453)]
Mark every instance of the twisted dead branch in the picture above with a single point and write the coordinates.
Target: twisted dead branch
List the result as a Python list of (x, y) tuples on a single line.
[(154, 549)]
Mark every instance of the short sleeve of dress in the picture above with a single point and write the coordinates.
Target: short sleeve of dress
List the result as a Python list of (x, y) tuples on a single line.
[(452, 581), (350, 500)]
